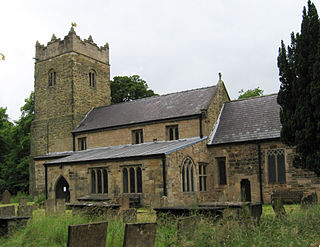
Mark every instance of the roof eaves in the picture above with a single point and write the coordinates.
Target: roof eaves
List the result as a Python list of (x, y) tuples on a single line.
[(186, 145)]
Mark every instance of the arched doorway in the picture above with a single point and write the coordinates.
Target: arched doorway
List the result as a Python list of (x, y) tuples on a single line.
[(62, 189), (245, 190)]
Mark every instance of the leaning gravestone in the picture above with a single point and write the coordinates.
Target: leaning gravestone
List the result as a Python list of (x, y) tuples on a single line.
[(309, 200), (49, 206), (25, 210), (186, 227), (94, 234), (6, 197), (7, 211), (140, 234), (23, 201)]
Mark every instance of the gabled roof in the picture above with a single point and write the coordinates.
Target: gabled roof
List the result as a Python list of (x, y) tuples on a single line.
[(251, 119), (127, 151), (169, 106)]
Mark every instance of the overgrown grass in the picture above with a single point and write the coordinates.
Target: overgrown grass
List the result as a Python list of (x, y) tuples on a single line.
[(297, 228)]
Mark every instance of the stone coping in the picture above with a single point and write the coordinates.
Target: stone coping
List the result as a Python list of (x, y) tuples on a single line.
[(14, 218)]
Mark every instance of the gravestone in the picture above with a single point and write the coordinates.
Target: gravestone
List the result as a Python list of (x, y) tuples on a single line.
[(164, 201), (23, 201), (278, 207), (25, 210), (49, 206), (129, 215), (6, 197), (60, 205), (140, 234), (7, 211), (309, 200), (94, 234), (186, 227), (125, 202)]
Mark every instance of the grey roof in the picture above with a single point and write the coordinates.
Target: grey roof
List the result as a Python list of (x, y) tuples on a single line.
[(252, 119), (54, 155), (174, 105), (127, 151)]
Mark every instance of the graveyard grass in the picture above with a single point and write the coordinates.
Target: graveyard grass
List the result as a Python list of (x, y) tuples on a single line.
[(298, 228)]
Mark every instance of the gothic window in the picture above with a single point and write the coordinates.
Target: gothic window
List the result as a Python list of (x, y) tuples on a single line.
[(92, 79), (187, 175), (82, 143), (276, 166), (132, 179), (203, 177), (99, 180), (137, 136), (172, 132), (52, 78), (222, 170)]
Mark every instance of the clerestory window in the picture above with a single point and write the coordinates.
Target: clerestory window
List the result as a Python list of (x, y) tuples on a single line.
[(172, 132), (82, 143), (137, 136)]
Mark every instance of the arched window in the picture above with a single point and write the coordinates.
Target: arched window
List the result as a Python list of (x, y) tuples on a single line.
[(187, 175), (132, 179), (99, 180), (125, 180), (92, 79), (52, 78)]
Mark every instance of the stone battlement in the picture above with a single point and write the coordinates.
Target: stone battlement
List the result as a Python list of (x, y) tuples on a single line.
[(72, 43)]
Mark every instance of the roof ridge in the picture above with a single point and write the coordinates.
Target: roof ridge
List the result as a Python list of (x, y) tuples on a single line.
[(254, 97), (156, 96)]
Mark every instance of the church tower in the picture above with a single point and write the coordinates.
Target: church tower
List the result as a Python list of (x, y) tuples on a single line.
[(71, 77)]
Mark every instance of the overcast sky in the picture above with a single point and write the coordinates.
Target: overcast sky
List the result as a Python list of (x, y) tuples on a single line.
[(174, 45)]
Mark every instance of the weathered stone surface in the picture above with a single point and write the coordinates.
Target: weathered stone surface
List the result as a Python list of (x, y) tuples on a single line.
[(7, 211), (23, 201), (10, 224), (49, 206), (94, 234), (187, 227), (309, 200), (60, 205), (6, 197), (125, 202), (25, 210), (129, 215), (142, 234)]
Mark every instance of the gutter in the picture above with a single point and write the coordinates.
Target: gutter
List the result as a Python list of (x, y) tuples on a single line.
[(46, 180)]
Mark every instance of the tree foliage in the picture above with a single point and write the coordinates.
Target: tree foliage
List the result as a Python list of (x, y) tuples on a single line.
[(299, 95), (126, 88), (250, 93), (15, 148)]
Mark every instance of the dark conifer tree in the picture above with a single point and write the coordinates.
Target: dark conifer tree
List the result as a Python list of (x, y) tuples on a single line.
[(299, 95)]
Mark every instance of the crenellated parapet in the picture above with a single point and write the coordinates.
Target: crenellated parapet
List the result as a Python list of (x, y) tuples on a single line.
[(72, 43)]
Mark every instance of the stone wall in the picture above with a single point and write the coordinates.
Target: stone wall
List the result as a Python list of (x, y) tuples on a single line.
[(198, 154), (78, 177), (242, 163), (120, 136)]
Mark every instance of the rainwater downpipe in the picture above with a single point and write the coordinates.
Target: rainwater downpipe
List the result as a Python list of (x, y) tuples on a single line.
[(46, 179), (260, 172), (164, 175)]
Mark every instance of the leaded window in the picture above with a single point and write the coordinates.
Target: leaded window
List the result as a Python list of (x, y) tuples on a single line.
[(276, 166), (137, 136), (99, 180), (187, 175), (203, 177), (172, 132), (132, 179), (222, 170)]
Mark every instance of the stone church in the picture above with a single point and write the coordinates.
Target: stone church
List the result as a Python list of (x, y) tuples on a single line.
[(193, 146)]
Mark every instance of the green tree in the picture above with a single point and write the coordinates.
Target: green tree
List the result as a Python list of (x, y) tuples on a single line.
[(299, 94), (126, 88), (250, 93)]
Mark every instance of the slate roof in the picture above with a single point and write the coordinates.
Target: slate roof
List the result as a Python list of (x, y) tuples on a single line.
[(127, 151), (252, 119), (174, 105)]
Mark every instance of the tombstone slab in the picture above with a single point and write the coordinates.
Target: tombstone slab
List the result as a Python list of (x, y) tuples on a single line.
[(186, 227), (25, 210), (129, 215), (140, 234), (7, 211), (6, 197), (49, 206), (94, 234), (60, 205), (125, 202), (23, 202)]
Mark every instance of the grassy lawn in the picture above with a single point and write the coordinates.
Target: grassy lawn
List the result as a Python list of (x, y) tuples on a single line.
[(297, 228)]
